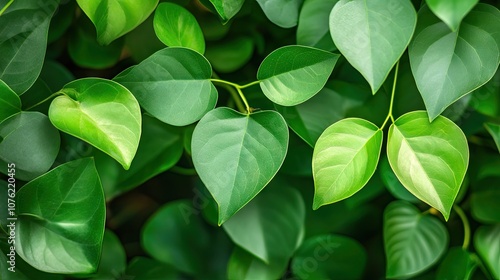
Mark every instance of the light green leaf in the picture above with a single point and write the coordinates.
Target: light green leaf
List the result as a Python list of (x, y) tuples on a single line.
[(313, 29), (61, 219), (413, 242), (344, 159), (229, 56), (144, 268), (291, 75), (333, 256), (458, 264), (259, 226), (177, 27), (429, 159), (244, 266), (9, 102), (447, 65), (372, 35), (23, 41), (392, 182), (173, 85), (236, 155), (102, 113), (113, 19), (494, 130), (113, 259), (29, 141), (484, 200), (284, 13), (227, 9), (451, 11), (487, 244)]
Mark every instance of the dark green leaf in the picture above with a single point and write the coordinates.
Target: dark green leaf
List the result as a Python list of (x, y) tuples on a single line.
[(494, 130), (484, 200), (230, 55), (487, 244), (284, 13), (313, 29), (9, 102), (243, 266), (144, 268), (457, 265), (451, 11), (113, 259)]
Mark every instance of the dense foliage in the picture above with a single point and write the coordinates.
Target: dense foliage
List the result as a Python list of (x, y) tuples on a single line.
[(233, 139)]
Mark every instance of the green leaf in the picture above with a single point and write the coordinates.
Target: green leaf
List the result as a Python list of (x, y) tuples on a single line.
[(451, 11), (313, 29), (494, 130), (61, 219), (329, 257), (236, 155), (173, 85), (429, 159), (4, 196), (230, 55), (447, 65), (258, 227), (244, 266), (487, 244), (144, 268), (372, 35), (413, 242), (113, 19), (284, 13), (23, 42), (227, 9), (31, 142), (102, 113), (173, 236), (344, 159), (9, 102), (113, 259), (392, 182), (457, 265), (291, 75), (177, 27), (484, 200)]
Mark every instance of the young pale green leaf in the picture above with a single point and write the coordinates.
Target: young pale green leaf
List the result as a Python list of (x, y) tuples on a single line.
[(413, 242), (23, 42), (177, 27), (447, 65), (458, 264), (113, 258), (451, 12), (344, 159), (291, 75), (61, 219), (173, 85), (429, 159), (487, 244), (113, 19), (494, 130), (313, 29), (284, 13), (334, 256), (392, 182), (230, 55), (227, 9), (9, 102), (244, 266), (31, 142), (372, 34), (258, 227), (484, 200), (101, 112), (236, 155)]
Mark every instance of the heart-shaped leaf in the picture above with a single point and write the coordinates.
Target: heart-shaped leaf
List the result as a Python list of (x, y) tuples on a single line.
[(227, 9), (61, 219), (284, 13), (177, 27), (447, 65), (236, 155), (9, 102), (113, 19), (372, 34), (334, 256), (413, 242), (102, 113), (494, 130), (23, 41), (173, 85), (458, 264), (451, 11), (344, 159), (313, 29), (429, 159), (291, 75), (272, 212), (29, 141), (487, 244)]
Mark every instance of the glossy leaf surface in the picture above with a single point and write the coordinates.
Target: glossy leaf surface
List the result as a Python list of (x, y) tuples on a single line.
[(9, 102), (227, 9), (487, 244), (451, 11), (313, 29), (284, 13)]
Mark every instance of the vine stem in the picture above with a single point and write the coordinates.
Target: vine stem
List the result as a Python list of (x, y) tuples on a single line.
[(391, 105), (238, 90), (183, 171), (6, 7), (45, 100), (465, 222)]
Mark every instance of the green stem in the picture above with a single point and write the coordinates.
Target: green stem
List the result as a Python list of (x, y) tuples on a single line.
[(465, 222), (391, 105), (250, 84), (6, 7), (183, 171), (239, 90), (45, 100), (235, 97)]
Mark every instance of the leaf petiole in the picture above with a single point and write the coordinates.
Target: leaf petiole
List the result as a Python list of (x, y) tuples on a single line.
[(465, 222), (45, 100), (231, 86), (6, 7), (391, 105)]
